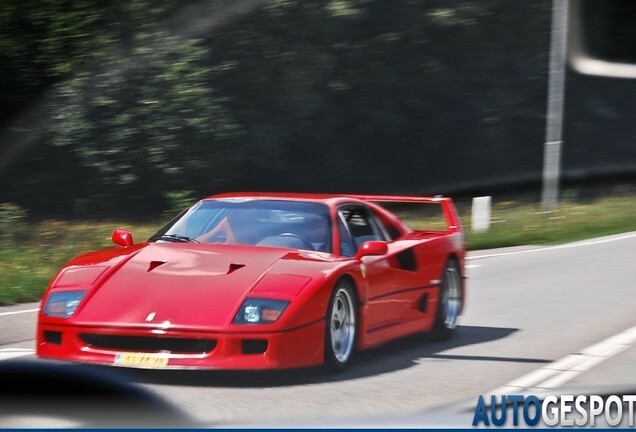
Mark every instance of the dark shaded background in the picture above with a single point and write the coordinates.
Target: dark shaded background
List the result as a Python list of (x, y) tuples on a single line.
[(126, 108)]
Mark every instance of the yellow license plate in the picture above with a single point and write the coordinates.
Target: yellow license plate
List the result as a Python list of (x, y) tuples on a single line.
[(141, 360)]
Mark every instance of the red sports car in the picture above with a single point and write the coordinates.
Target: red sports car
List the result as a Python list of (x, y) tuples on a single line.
[(259, 281)]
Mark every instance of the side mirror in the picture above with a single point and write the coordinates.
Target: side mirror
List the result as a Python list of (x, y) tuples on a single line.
[(122, 238), (372, 247)]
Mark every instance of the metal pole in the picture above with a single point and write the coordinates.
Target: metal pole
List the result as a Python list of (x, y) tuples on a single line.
[(556, 99)]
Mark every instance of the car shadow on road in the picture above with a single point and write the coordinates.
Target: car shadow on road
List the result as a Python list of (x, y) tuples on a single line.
[(390, 357)]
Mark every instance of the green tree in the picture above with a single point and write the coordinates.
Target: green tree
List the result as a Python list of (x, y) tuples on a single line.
[(145, 117)]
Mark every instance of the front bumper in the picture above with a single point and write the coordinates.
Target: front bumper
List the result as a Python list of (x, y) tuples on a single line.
[(143, 348)]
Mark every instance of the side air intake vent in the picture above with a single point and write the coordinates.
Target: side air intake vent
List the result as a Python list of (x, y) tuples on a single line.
[(423, 303)]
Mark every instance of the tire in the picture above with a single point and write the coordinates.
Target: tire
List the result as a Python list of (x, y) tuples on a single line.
[(341, 327), (450, 301)]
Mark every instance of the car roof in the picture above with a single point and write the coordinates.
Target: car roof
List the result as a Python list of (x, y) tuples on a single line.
[(332, 198), (329, 199)]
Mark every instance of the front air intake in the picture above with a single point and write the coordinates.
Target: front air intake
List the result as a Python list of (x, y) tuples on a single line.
[(149, 343)]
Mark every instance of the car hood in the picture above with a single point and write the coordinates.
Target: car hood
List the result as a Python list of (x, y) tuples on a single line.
[(178, 285)]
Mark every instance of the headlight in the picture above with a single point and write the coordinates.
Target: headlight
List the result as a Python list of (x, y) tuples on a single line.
[(260, 311), (63, 304)]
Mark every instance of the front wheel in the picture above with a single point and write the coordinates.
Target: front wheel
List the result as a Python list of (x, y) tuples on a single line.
[(450, 301), (341, 327)]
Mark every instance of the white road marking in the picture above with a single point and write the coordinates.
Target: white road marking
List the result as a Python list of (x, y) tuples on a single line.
[(470, 266), (19, 312), (561, 371), (563, 246), (9, 353)]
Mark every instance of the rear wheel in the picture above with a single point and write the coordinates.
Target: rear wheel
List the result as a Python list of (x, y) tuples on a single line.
[(341, 326), (450, 301)]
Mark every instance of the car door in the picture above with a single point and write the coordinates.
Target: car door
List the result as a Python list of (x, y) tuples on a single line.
[(393, 290)]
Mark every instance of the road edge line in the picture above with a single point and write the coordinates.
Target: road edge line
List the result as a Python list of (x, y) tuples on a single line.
[(569, 367)]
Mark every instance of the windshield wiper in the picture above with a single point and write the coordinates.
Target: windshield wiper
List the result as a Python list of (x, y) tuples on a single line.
[(174, 237)]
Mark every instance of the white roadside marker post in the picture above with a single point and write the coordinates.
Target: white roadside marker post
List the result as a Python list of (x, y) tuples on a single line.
[(480, 221)]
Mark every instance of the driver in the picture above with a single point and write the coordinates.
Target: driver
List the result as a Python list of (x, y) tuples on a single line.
[(317, 232)]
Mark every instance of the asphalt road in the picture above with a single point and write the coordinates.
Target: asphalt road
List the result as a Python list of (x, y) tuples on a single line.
[(526, 308)]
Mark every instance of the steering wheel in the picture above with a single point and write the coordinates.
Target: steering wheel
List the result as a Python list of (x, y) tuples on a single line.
[(307, 245)]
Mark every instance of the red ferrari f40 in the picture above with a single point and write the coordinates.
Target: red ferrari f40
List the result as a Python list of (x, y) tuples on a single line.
[(260, 281)]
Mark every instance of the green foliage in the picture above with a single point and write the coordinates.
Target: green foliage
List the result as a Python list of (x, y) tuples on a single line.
[(380, 93), (12, 221), (147, 109), (131, 104), (143, 97), (11, 214), (180, 200), (42, 41)]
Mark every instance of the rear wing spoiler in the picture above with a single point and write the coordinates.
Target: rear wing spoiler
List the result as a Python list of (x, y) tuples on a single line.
[(453, 223)]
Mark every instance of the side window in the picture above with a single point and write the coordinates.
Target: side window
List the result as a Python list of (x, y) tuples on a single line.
[(361, 225), (385, 234)]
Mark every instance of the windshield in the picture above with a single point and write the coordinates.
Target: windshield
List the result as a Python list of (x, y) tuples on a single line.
[(292, 224)]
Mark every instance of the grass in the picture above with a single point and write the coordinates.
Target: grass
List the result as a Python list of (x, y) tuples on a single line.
[(514, 224), (31, 253)]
